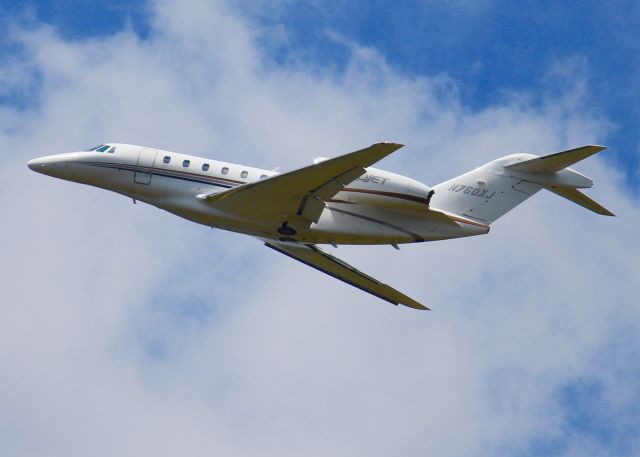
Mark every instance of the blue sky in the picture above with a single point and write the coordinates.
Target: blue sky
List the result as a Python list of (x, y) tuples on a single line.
[(494, 47), (541, 361), (489, 48)]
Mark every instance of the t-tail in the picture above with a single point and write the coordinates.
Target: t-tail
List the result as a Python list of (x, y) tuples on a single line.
[(490, 191)]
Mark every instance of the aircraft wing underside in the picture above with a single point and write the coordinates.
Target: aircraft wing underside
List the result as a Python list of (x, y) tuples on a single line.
[(299, 194), (315, 257)]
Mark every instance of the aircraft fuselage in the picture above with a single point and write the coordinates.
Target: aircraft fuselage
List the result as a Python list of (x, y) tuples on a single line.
[(379, 207)]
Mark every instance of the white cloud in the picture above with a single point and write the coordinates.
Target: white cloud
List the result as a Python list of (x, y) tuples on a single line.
[(129, 331)]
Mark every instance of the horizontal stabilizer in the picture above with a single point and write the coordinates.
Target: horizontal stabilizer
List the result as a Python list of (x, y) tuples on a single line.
[(581, 199), (315, 257), (556, 162)]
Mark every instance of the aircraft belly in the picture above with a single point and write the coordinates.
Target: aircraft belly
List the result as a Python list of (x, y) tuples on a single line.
[(348, 224), (359, 224)]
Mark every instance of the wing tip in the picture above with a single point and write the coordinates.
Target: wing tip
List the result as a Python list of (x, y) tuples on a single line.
[(390, 143), (597, 146), (414, 304)]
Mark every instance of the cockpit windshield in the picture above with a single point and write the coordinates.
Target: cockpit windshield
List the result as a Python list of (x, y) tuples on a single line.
[(103, 148)]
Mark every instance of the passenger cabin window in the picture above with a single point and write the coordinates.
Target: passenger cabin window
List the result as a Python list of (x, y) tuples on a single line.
[(224, 171), (263, 176), (166, 159), (185, 163), (205, 166), (244, 174)]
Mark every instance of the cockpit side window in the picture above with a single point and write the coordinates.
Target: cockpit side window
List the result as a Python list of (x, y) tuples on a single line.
[(102, 148)]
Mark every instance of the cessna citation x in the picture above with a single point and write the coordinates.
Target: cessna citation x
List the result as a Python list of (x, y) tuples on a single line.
[(334, 201)]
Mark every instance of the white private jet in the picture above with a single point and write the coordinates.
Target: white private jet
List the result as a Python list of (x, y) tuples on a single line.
[(334, 201)]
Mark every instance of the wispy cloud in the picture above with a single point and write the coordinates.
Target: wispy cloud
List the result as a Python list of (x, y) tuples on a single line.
[(127, 330)]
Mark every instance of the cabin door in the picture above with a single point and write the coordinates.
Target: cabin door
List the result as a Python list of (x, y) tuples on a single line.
[(146, 160)]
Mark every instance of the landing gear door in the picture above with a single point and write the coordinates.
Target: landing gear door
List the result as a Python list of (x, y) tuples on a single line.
[(146, 160)]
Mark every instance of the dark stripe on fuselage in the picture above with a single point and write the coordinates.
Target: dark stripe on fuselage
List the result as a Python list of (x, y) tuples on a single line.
[(229, 183), (417, 238), (409, 197), (185, 176)]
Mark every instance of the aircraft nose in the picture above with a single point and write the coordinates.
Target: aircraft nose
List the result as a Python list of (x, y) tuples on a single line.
[(38, 164), (57, 165)]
